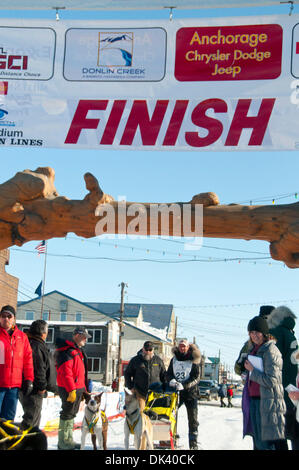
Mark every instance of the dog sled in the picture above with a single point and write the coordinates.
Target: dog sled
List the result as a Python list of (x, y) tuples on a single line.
[(162, 409)]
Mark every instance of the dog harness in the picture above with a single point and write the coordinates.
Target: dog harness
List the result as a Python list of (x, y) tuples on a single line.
[(18, 437), (92, 424), (133, 425)]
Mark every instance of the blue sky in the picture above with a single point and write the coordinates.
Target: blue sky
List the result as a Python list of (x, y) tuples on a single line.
[(213, 298)]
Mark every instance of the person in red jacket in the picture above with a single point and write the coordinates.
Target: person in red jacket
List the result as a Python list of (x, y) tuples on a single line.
[(230, 394), (72, 382), (16, 363)]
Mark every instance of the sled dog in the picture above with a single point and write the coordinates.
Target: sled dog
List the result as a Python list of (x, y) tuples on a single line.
[(93, 423), (137, 423)]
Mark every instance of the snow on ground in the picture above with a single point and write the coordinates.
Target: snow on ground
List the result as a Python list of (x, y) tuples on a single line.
[(219, 429)]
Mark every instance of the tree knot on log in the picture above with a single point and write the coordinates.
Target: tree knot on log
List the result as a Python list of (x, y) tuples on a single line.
[(206, 199), (96, 196)]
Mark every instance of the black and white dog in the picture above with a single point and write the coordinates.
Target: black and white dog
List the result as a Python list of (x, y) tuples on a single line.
[(93, 424)]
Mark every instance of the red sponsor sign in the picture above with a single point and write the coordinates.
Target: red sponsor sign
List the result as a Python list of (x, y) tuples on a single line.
[(3, 88), (250, 52)]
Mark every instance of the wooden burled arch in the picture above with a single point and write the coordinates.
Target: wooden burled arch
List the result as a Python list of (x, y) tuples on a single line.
[(31, 209)]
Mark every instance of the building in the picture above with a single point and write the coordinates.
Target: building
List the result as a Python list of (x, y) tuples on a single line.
[(8, 283), (158, 319), (101, 349), (212, 368), (63, 313), (143, 322)]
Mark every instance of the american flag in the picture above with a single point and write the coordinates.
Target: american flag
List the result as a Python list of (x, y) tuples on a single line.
[(41, 247)]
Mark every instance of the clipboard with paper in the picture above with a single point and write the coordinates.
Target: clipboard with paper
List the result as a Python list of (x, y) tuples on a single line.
[(256, 361)]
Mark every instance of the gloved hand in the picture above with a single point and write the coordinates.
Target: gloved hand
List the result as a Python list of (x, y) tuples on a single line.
[(175, 384), (179, 386), (27, 387), (72, 396)]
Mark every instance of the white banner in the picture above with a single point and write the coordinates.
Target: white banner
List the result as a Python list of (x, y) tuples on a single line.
[(210, 84)]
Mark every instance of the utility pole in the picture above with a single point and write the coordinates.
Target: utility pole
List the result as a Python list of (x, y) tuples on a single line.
[(121, 315)]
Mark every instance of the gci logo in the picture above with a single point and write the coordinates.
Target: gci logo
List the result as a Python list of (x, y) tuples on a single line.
[(12, 61)]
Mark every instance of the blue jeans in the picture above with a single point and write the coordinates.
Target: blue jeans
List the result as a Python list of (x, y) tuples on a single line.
[(255, 418), (8, 402)]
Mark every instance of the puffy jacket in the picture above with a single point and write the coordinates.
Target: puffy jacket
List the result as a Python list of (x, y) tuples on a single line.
[(140, 374), (71, 366), (281, 325), (272, 405), (182, 363), (16, 362)]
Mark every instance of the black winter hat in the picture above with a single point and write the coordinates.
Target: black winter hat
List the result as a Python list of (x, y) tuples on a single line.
[(8, 309), (265, 310), (258, 324)]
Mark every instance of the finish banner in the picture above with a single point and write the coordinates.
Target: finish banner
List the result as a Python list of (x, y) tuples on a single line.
[(193, 84)]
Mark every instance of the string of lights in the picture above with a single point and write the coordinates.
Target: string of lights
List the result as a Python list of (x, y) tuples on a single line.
[(194, 258)]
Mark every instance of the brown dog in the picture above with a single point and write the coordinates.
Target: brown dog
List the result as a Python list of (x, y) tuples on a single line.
[(137, 423)]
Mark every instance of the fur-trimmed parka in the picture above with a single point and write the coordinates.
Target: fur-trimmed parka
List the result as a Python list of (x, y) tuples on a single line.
[(281, 324), (185, 368)]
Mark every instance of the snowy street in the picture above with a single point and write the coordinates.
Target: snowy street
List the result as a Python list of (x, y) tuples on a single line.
[(219, 429)]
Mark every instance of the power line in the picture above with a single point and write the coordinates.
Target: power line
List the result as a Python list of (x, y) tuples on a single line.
[(161, 261)]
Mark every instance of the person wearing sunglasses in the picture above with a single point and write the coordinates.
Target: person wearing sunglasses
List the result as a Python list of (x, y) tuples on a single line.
[(16, 363), (143, 370)]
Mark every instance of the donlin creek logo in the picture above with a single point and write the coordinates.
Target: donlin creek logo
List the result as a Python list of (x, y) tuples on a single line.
[(115, 49)]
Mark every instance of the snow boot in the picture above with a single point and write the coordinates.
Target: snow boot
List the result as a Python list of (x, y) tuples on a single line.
[(74, 444), (193, 445), (63, 443), (65, 435)]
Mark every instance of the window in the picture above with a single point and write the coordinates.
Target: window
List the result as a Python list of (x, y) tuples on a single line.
[(94, 364), (63, 305), (29, 315), (50, 337), (63, 316), (78, 316), (46, 316), (96, 336), (25, 329)]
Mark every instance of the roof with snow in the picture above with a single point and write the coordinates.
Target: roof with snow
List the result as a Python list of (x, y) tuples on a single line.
[(158, 316), (214, 360)]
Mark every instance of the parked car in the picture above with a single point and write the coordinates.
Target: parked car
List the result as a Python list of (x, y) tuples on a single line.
[(207, 390)]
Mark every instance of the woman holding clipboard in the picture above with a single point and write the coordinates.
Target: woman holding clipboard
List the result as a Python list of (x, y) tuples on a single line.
[(263, 404)]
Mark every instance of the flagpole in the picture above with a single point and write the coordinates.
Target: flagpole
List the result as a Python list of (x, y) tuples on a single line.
[(44, 279)]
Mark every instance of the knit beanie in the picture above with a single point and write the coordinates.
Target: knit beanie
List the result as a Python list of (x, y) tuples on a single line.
[(8, 309), (265, 310), (258, 324)]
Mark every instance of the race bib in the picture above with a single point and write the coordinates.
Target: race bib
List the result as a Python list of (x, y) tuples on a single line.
[(181, 370)]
